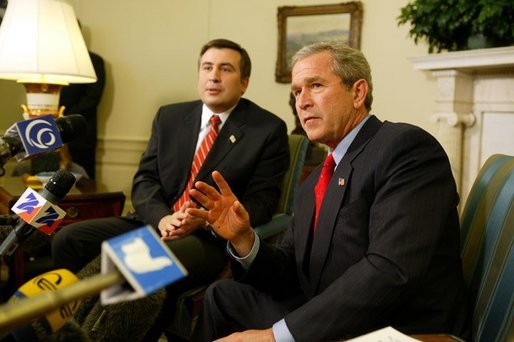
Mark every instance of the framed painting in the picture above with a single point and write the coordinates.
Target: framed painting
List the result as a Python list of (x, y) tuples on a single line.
[(302, 25), (3, 6)]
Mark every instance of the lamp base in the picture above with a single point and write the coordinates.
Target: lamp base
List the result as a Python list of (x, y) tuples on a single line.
[(42, 99)]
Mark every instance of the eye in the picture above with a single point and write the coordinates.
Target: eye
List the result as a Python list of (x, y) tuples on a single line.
[(316, 85), (296, 92), (207, 67)]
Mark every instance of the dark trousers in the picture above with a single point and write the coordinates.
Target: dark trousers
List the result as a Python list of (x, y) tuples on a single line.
[(202, 255), (231, 307)]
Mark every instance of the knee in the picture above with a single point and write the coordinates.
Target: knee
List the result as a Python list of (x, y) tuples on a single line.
[(221, 291), (60, 240)]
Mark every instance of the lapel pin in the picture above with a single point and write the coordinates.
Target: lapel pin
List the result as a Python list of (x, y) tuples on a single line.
[(340, 182), (232, 139)]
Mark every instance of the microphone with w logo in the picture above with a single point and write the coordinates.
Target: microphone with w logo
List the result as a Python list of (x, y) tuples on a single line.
[(38, 211)]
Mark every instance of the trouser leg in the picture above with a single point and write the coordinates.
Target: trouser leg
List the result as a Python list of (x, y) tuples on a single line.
[(75, 245), (230, 306), (204, 258)]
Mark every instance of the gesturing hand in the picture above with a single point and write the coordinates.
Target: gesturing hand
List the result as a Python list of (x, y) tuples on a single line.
[(223, 212)]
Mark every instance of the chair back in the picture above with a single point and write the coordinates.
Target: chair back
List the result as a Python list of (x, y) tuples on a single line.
[(487, 234), (298, 149)]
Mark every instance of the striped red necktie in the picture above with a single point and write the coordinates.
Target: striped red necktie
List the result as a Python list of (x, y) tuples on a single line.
[(200, 156), (321, 186)]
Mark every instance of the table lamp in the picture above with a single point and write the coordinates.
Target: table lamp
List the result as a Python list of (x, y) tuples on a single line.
[(41, 47)]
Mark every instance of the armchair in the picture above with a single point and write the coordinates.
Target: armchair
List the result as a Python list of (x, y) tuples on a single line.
[(487, 235)]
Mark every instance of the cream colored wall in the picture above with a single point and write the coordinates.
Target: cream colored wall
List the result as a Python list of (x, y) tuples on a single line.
[(151, 56)]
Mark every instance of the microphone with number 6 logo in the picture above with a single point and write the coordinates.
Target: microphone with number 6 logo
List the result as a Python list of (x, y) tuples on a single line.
[(31, 137), (38, 211)]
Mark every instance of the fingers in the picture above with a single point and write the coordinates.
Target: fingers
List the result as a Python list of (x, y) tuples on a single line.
[(173, 234), (221, 183), (198, 212), (239, 210)]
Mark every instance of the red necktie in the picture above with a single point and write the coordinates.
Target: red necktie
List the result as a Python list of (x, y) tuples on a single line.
[(200, 156), (321, 186)]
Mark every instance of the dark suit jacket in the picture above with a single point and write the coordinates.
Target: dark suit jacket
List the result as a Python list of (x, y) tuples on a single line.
[(251, 152), (84, 99), (386, 248)]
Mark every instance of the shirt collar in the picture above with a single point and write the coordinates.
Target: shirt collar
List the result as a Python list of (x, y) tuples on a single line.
[(341, 148), (207, 113)]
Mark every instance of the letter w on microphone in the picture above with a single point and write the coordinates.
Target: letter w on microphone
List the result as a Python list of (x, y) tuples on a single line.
[(35, 210)]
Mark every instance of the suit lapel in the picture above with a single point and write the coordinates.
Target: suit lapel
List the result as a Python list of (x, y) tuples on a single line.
[(231, 133), (187, 137), (333, 200)]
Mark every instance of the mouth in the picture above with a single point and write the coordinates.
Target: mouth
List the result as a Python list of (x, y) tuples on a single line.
[(213, 91), (309, 118)]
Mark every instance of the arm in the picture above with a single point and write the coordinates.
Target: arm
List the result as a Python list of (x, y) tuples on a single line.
[(410, 258), (148, 194)]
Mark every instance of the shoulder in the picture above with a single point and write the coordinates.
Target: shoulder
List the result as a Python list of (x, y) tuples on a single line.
[(256, 114), (394, 131)]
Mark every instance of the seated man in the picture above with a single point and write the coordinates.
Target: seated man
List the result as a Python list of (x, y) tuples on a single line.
[(375, 244), (249, 145)]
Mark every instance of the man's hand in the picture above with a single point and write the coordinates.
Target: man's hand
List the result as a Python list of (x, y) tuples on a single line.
[(250, 335), (224, 213), (179, 224)]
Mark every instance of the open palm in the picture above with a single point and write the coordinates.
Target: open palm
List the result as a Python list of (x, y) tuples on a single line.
[(222, 210)]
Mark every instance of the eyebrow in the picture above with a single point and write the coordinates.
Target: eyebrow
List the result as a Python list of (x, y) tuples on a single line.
[(308, 80), (220, 64)]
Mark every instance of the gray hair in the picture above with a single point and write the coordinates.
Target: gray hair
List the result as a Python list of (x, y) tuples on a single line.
[(348, 63)]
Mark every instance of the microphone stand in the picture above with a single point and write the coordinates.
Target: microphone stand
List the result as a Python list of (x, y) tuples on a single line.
[(17, 314)]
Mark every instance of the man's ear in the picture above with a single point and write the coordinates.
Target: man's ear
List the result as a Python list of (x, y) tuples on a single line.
[(244, 83), (360, 91)]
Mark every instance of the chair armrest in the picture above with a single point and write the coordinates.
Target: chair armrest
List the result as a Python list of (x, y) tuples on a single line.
[(278, 224)]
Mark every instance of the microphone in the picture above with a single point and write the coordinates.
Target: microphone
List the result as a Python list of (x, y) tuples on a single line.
[(38, 210), (52, 320), (30, 137), (121, 276)]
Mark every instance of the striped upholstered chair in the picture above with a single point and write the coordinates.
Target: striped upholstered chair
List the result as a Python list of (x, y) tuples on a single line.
[(487, 236)]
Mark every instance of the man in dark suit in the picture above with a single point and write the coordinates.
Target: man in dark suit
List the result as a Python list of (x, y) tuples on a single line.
[(251, 150), (84, 99), (384, 250)]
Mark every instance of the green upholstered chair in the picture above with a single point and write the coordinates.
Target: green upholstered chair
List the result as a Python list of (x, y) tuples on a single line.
[(190, 302), (487, 234)]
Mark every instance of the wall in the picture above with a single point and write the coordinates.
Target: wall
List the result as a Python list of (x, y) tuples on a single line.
[(151, 57)]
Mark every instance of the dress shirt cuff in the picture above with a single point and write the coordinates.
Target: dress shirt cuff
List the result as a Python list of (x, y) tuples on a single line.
[(247, 260), (281, 332)]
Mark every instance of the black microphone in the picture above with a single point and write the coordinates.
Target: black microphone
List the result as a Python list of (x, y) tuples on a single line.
[(70, 127), (48, 216)]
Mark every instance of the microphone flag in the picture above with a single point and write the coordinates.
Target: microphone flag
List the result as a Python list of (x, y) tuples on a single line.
[(39, 135), (38, 212), (145, 262), (54, 320)]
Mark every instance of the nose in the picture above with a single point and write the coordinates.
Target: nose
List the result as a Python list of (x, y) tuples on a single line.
[(303, 100), (214, 75)]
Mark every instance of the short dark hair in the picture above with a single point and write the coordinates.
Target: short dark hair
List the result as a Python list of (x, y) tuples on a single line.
[(245, 64)]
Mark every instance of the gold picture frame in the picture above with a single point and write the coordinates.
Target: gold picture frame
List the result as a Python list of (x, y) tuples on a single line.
[(302, 25)]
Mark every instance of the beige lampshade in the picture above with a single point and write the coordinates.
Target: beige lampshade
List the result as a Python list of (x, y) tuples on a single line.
[(41, 42)]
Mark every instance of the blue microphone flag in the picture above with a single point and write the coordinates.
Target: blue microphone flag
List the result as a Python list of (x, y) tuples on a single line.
[(39, 135)]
